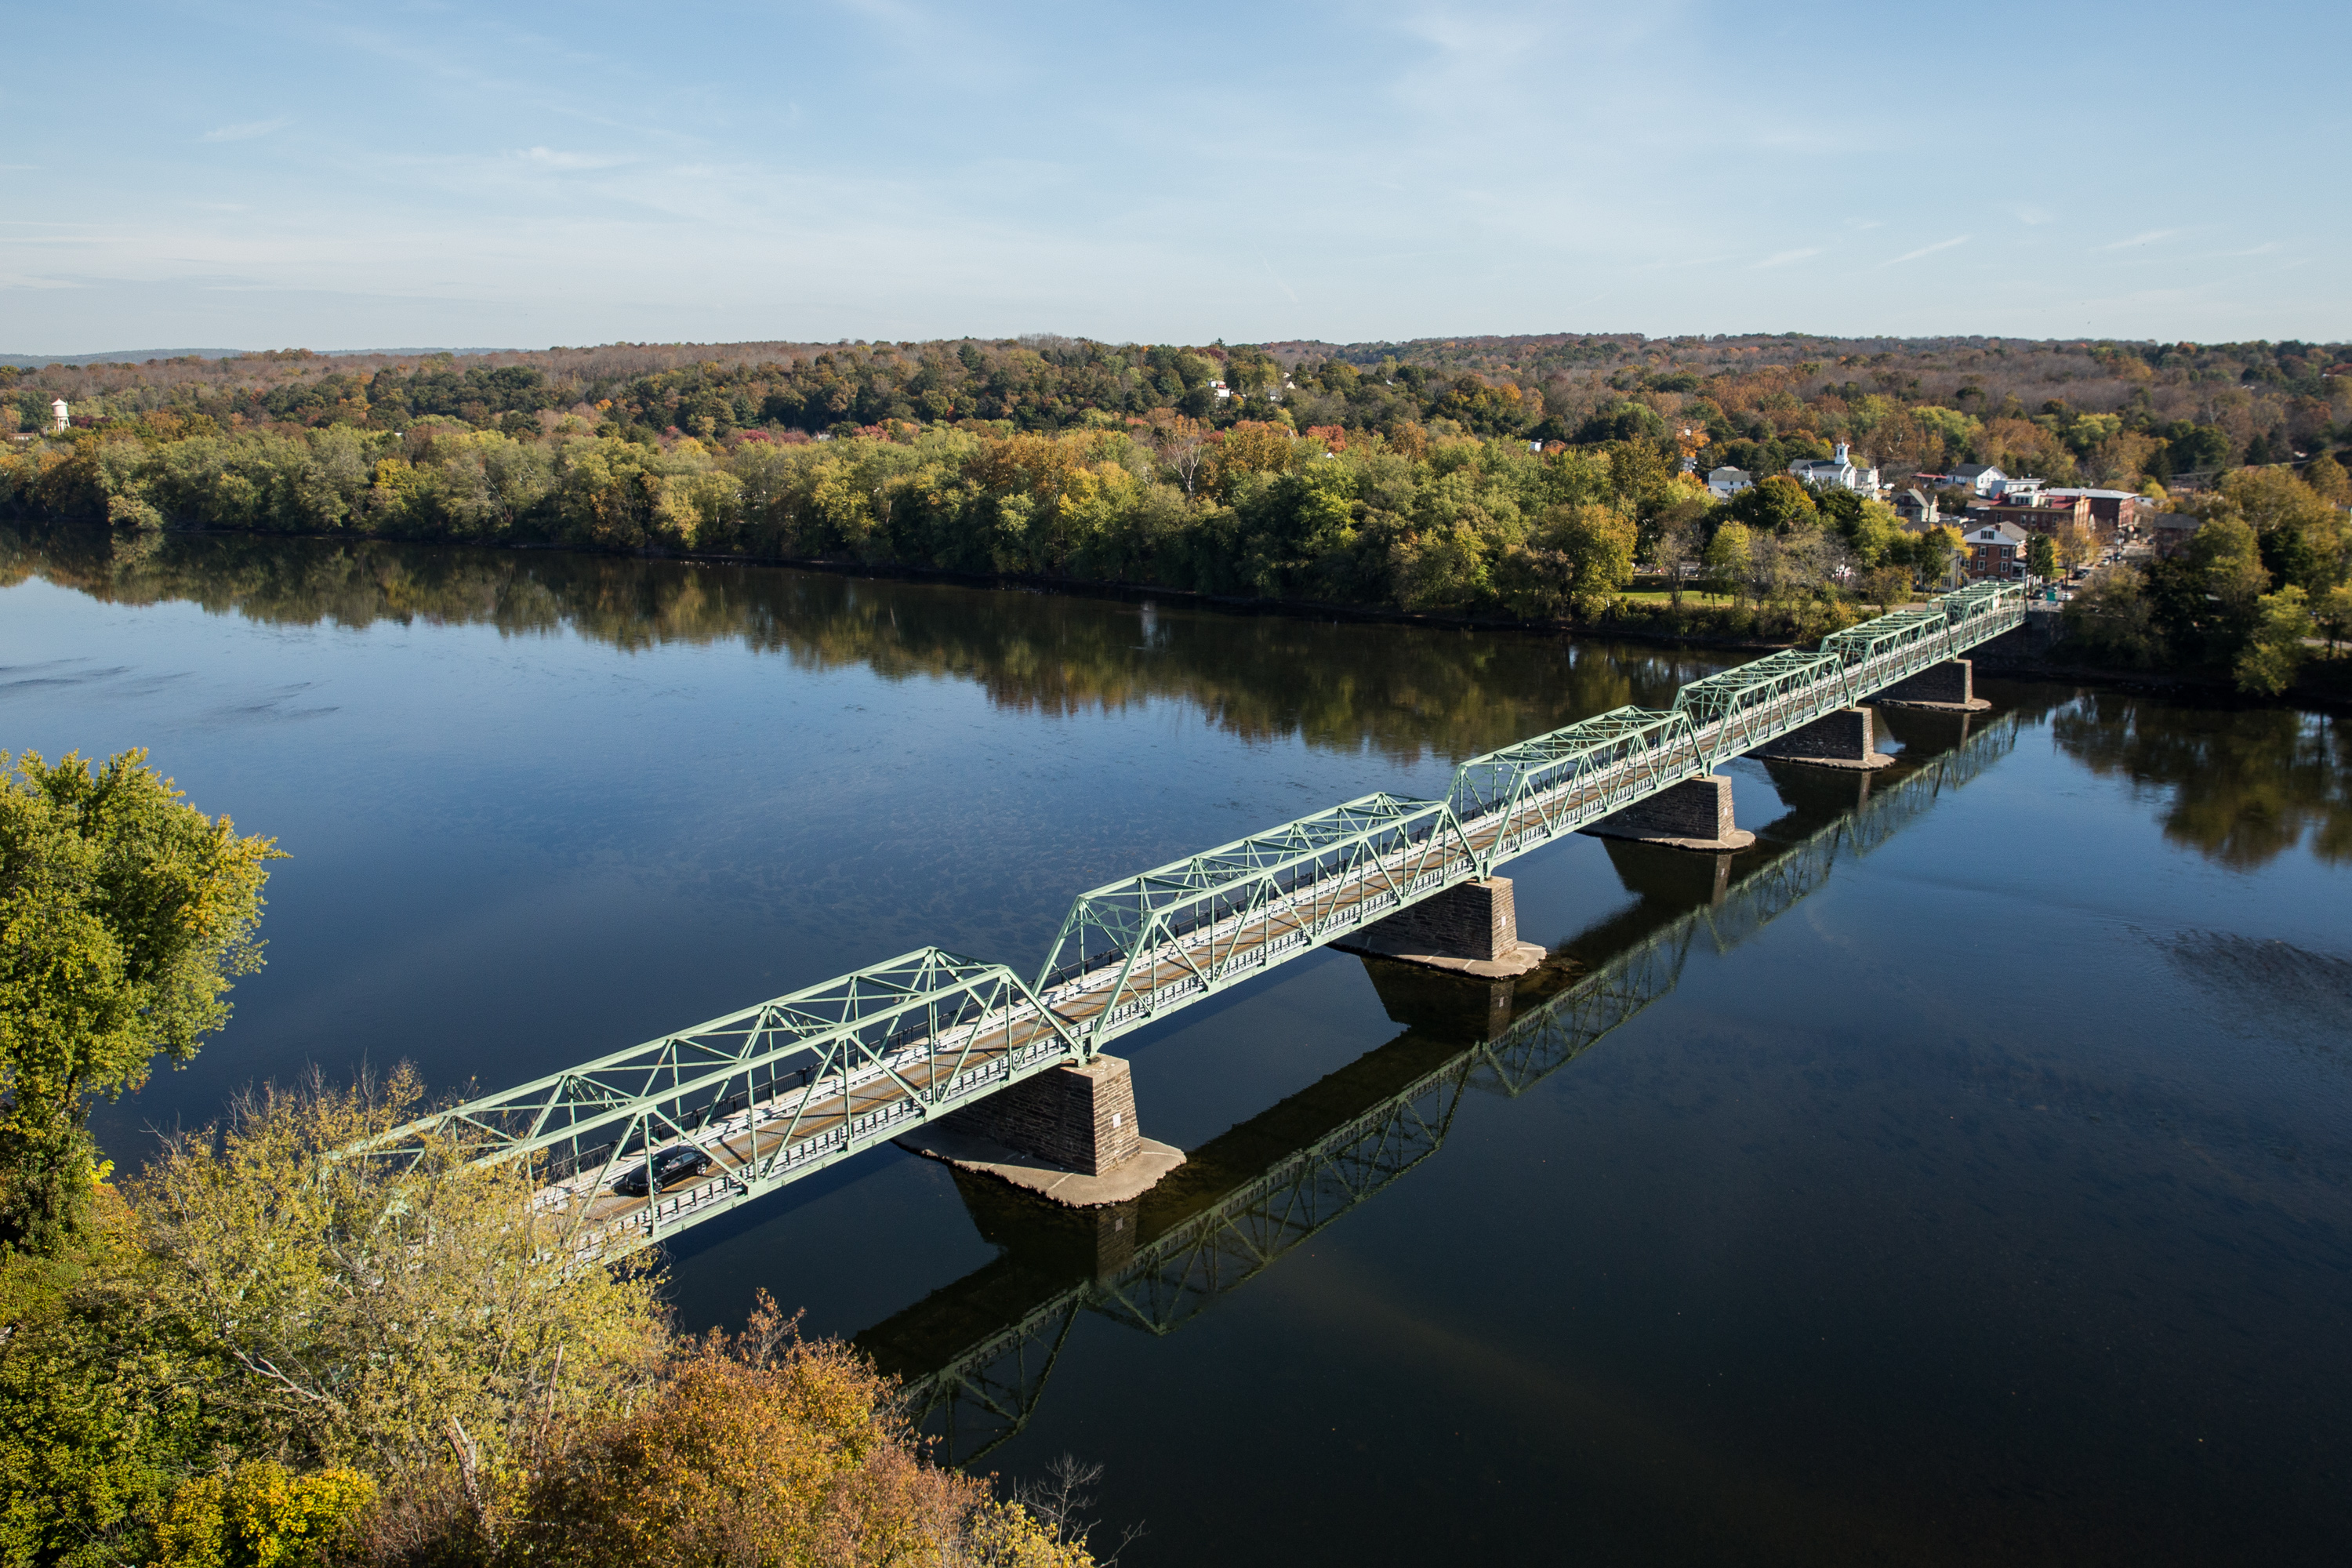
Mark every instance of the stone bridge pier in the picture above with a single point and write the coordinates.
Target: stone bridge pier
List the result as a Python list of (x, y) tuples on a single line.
[(1693, 815), (1946, 688), (1070, 1134), (1841, 740), (1472, 928)]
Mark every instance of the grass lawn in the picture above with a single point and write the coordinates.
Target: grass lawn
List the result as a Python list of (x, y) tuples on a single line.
[(1660, 596)]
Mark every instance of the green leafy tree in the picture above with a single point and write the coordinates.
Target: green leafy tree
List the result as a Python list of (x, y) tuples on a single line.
[(1441, 568), (2276, 650), (1872, 531), (2332, 611), (2113, 621), (1577, 559), (123, 915), (1776, 504), (1934, 553), (2228, 558), (2042, 556), (2328, 480), (102, 1411), (1888, 586), (2301, 535), (1727, 557)]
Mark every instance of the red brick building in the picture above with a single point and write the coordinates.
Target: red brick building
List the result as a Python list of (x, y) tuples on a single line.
[(2047, 513), (2116, 512), (1995, 549)]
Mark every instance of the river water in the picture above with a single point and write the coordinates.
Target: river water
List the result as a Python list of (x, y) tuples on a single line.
[(1960, 1174)]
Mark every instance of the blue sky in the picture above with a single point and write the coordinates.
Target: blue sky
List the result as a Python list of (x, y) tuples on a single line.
[(345, 176)]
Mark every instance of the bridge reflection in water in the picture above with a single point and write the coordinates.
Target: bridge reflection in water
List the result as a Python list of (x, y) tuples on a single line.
[(975, 1356), (771, 1094)]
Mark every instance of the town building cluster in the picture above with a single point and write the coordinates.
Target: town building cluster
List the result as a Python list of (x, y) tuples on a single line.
[(2000, 516)]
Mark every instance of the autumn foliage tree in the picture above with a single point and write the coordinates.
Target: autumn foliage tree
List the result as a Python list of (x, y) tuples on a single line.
[(764, 1448), (124, 917)]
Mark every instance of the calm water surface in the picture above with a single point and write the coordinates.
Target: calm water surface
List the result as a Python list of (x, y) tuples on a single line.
[(1961, 1173)]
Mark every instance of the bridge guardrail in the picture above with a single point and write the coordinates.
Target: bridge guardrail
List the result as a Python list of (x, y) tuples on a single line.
[(876, 1044)]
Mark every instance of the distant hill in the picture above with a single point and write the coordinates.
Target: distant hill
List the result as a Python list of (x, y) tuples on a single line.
[(141, 356), (125, 356)]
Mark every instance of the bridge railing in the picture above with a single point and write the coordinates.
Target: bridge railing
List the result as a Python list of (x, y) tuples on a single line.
[(1130, 949), (986, 1394), (781, 1088), (1541, 787), (1131, 946), (767, 1092)]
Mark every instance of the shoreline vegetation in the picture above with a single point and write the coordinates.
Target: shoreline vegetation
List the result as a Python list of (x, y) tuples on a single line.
[(268, 1349), (1520, 482)]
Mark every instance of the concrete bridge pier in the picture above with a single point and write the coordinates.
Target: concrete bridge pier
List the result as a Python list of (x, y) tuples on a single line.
[(1069, 1134), (1471, 928), (1839, 740), (1693, 815), (1946, 688)]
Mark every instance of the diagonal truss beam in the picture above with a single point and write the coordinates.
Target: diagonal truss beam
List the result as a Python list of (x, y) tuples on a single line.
[(791, 1085), (986, 1393), (768, 1093)]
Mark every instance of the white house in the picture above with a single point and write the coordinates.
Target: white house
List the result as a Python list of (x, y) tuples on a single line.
[(1725, 483), (1982, 477), (1839, 473), (62, 414)]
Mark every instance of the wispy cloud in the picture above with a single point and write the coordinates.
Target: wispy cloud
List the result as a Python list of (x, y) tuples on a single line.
[(1784, 258), (549, 158), (1927, 251), (2151, 237), (247, 129)]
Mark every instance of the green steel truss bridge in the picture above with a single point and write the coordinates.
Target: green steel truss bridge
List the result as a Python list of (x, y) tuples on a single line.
[(976, 1392), (793, 1085)]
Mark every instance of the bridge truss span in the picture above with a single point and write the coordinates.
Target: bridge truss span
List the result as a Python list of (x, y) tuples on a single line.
[(984, 1394), (787, 1086), (765, 1095)]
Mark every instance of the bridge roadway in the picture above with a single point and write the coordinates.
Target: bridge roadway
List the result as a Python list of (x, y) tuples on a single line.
[(793, 1085), (974, 1357)]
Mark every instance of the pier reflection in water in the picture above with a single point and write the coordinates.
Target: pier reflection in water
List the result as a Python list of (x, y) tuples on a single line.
[(976, 1356)]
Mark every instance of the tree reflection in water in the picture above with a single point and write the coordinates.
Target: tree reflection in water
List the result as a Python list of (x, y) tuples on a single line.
[(1403, 692), (2245, 787)]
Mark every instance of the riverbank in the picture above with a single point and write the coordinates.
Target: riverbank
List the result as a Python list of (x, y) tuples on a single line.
[(2040, 650)]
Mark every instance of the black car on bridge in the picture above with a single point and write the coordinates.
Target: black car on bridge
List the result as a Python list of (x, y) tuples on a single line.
[(670, 1166)]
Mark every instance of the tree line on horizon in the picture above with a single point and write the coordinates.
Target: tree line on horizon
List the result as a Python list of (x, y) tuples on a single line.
[(2091, 412), (1522, 479)]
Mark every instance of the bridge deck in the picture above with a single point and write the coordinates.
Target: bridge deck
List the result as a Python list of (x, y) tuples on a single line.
[(790, 1086), (1190, 1247)]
